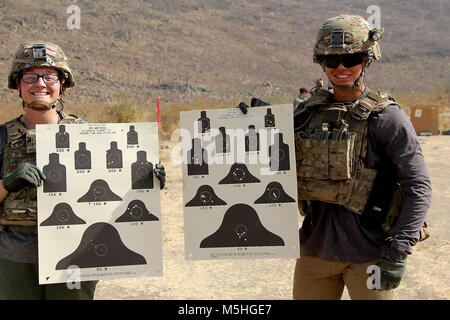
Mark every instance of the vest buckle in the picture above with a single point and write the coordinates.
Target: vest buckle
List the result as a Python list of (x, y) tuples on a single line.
[(361, 111)]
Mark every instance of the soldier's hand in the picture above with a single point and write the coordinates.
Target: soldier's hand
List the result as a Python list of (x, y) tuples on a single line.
[(160, 173), (392, 267), (255, 102), (244, 107), (26, 174)]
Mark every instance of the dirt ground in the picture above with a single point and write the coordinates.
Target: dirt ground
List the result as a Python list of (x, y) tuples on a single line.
[(427, 273)]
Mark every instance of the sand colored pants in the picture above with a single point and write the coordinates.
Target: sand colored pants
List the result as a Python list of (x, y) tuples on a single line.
[(318, 279), (19, 281)]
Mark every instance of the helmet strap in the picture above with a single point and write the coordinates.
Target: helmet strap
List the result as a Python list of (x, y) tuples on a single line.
[(39, 105), (367, 60)]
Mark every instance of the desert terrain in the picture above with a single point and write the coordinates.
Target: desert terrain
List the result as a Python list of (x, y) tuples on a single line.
[(197, 54)]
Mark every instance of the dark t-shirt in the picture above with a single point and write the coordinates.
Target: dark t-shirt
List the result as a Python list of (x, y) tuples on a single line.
[(333, 233)]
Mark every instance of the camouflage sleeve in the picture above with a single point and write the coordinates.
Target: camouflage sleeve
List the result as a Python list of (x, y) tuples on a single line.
[(62, 115), (397, 142)]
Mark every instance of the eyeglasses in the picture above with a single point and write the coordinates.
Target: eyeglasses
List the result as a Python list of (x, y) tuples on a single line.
[(32, 78), (348, 60)]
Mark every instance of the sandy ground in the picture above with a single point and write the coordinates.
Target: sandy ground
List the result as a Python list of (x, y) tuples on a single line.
[(427, 274)]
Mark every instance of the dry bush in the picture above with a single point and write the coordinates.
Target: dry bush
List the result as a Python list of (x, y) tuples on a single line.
[(123, 109), (9, 111)]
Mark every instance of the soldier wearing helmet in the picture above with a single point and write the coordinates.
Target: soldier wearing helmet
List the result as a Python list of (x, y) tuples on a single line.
[(363, 185), (302, 96), (40, 72), (49, 56)]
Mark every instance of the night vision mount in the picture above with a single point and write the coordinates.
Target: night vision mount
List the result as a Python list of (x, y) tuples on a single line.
[(39, 53)]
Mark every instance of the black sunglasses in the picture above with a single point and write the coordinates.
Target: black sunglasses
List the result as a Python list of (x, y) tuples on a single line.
[(348, 60)]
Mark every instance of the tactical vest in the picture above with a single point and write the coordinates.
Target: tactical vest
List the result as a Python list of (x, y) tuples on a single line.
[(20, 208), (331, 146)]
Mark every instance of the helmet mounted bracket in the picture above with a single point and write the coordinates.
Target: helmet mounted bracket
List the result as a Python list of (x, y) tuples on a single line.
[(39, 53), (337, 38)]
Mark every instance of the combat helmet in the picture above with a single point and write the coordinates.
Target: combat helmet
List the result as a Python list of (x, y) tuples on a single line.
[(348, 34), (39, 54)]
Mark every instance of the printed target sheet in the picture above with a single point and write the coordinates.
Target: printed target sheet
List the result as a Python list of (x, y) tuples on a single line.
[(99, 211), (239, 183)]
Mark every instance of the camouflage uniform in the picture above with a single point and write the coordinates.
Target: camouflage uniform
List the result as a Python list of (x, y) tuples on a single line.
[(18, 235), (356, 161)]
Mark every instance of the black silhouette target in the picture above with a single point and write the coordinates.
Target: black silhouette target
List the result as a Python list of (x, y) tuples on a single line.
[(197, 159), (251, 139), (241, 227), (203, 123), (62, 139), (82, 157), (132, 136), (269, 119), (136, 211), (205, 196), (239, 174), (142, 172), (222, 141), (101, 246), (279, 154), (114, 157), (62, 215), (55, 174), (99, 191), (274, 193)]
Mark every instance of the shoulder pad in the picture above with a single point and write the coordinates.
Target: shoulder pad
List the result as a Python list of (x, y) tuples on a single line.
[(15, 129), (374, 102), (383, 100), (71, 118)]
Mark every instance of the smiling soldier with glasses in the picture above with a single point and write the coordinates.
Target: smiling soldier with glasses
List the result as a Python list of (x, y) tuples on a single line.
[(41, 74)]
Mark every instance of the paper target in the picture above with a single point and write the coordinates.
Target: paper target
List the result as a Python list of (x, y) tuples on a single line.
[(239, 184), (99, 207)]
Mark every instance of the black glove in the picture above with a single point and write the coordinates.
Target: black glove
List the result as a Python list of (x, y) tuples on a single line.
[(255, 102), (160, 173), (243, 106), (26, 174), (392, 267)]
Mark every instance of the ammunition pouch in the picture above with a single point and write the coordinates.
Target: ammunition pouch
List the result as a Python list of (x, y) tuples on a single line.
[(327, 171), (19, 208)]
